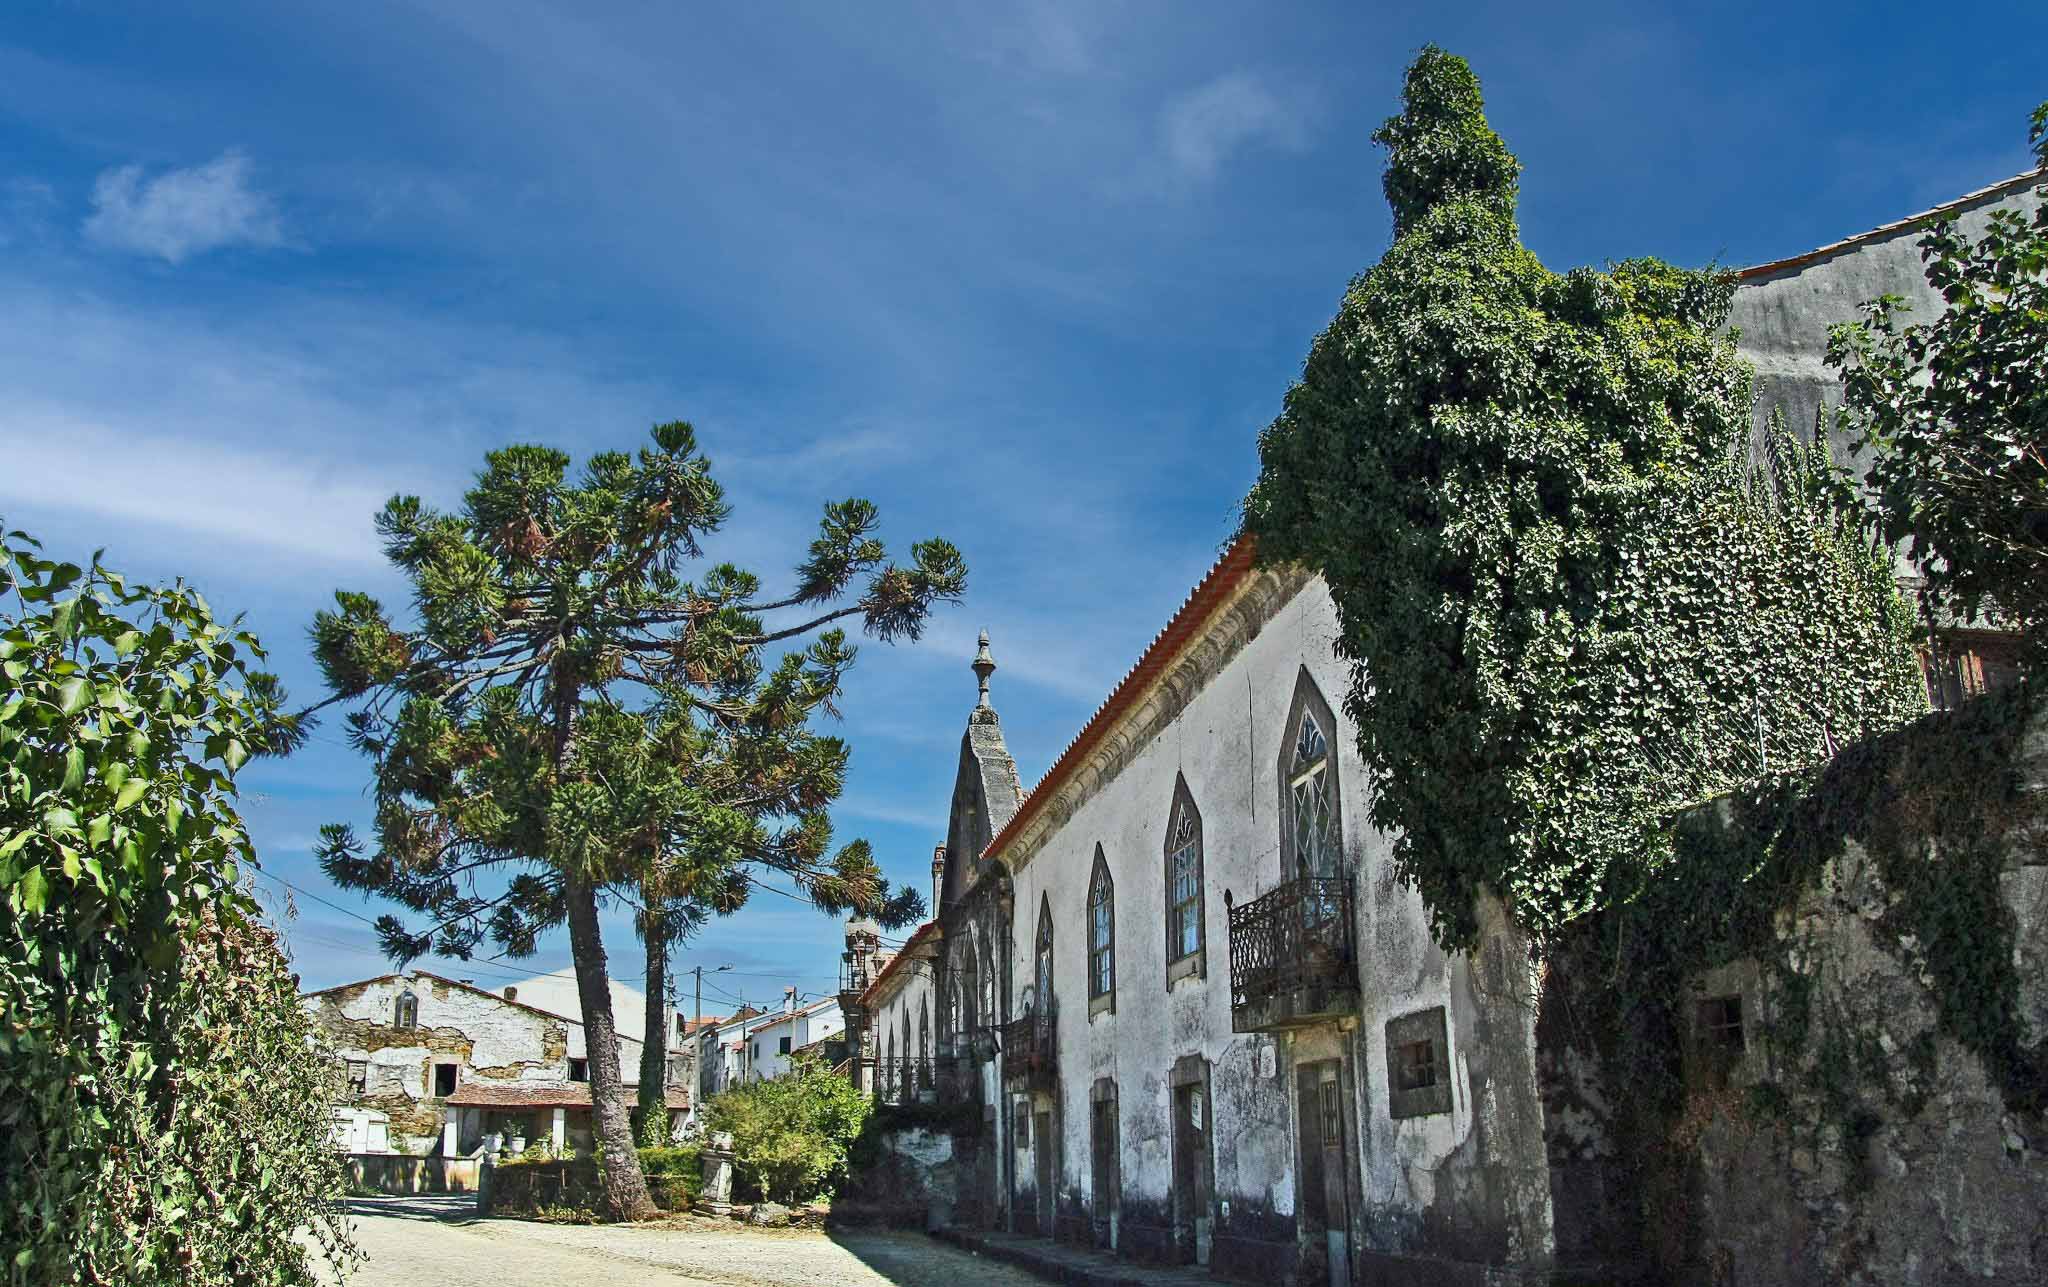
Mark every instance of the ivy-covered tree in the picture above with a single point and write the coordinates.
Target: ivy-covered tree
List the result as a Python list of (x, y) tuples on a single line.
[(163, 1096), (1952, 414), (1571, 603), (539, 738)]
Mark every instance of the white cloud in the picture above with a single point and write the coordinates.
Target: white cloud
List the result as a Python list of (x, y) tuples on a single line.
[(1202, 127), (181, 213), (243, 499)]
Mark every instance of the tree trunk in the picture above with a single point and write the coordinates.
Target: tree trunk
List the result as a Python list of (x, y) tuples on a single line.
[(654, 1050), (625, 1187)]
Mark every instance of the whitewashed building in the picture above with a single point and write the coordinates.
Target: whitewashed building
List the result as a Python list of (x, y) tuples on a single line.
[(439, 1066)]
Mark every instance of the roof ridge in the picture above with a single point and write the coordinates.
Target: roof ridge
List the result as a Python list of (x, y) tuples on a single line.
[(1857, 239)]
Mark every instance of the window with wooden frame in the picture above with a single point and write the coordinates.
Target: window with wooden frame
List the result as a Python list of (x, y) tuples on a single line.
[(1101, 938), (1718, 1038), (1418, 1064), (405, 1013), (1184, 892), (1969, 663)]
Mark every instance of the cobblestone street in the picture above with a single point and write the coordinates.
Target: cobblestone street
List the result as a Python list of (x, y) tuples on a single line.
[(411, 1241)]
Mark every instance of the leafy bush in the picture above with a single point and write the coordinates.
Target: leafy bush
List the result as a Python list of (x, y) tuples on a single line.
[(791, 1135), (163, 1098), (1953, 415)]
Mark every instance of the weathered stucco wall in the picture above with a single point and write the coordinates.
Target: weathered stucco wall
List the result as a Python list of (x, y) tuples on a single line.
[(1783, 314), (1468, 1183), (487, 1037)]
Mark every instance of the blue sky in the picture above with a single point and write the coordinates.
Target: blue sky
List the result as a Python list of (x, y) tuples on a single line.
[(1028, 276)]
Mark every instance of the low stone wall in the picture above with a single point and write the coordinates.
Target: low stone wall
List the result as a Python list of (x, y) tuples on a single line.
[(400, 1173), (907, 1168)]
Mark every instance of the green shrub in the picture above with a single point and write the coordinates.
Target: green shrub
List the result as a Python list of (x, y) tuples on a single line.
[(791, 1135), (163, 1096)]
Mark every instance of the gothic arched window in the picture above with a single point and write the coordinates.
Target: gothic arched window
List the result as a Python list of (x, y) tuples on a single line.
[(1310, 839), (1101, 936), (969, 988), (1041, 974), (1184, 895), (406, 1013)]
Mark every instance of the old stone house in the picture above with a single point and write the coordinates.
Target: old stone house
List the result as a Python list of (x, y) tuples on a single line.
[(1190, 1012), (442, 1065)]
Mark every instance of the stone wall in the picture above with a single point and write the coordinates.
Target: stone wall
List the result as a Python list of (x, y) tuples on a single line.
[(397, 1174), (1883, 1119)]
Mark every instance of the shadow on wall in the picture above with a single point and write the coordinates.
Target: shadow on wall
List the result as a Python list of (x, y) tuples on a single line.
[(399, 1174)]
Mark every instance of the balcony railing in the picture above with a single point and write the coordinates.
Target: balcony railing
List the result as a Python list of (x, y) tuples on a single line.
[(920, 1081), (1292, 956), (1030, 1052)]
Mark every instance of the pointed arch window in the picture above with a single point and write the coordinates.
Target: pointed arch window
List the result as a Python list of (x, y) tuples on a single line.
[(1310, 840), (1101, 937), (1184, 892), (406, 1013), (1041, 973)]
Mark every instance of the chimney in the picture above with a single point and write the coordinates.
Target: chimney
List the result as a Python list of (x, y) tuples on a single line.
[(938, 878), (789, 999), (511, 993)]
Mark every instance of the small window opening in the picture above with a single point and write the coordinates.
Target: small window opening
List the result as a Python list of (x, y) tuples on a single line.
[(782, 1046), (406, 1012), (1719, 1037), (579, 1070), (1418, 1065), (359, 1075), (444, 1080)]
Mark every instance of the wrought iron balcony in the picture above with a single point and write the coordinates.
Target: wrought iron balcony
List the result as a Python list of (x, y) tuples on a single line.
[(922, 1083), (1293, 958), (1030, 1052)]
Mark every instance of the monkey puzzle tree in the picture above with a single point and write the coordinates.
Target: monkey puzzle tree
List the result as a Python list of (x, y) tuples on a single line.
[(521, 734), (714, 793)]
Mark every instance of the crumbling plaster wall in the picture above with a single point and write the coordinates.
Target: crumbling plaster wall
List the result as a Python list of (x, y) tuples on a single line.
[(487, 1036), (1424, 1181)]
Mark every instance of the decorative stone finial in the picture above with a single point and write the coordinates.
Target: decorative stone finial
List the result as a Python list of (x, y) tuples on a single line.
[(984, 666)]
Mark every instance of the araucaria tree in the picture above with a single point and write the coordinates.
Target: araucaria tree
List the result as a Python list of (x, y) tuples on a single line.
[(1571, 602), (1952, 413), (568, 715)]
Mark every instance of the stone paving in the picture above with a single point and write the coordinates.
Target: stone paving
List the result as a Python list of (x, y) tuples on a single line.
[(435, 1240)]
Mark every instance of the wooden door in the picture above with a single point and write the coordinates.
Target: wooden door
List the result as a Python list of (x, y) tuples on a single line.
[(1324, 1209), (1041, 1129), (1194, 1174)]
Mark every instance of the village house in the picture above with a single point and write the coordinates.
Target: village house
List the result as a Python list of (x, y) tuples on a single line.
[(439, 1066), (775, 1040), (1193, 1007)]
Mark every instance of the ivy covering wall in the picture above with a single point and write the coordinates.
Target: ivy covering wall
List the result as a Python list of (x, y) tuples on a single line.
[(1574, 597)]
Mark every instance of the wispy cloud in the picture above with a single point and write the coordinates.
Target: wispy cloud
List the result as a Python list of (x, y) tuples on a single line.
[(1203, 127), (251, 500), (181, 213)]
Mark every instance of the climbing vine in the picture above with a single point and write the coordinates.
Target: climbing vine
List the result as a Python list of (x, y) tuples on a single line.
[(1573, 598)]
